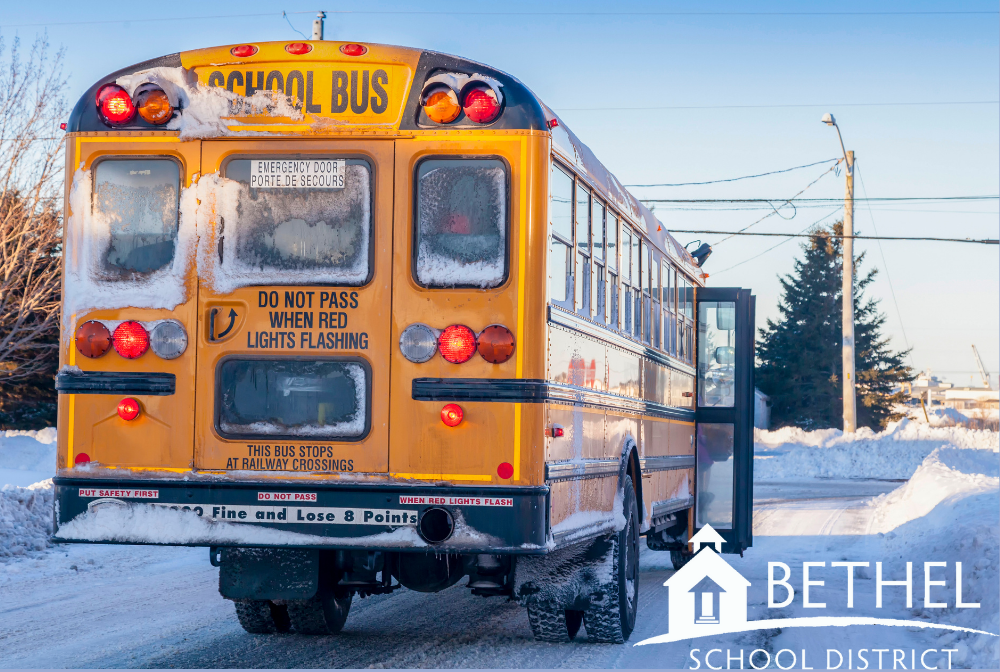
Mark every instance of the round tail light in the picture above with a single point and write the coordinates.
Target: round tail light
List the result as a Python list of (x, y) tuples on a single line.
[(353, 49), (496, 344), (441, 105), (451, 415), (154, 106), (298, 48), (114, 105), (168, 340), (130, 340), (418, 343), (481, 104), (457, 343), (93, 339), (128, 409), (243, 51)]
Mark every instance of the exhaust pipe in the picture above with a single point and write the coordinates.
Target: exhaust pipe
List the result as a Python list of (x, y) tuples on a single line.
[(436, 525)]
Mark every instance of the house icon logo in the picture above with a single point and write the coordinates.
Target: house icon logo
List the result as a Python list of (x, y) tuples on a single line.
[(706, 591)]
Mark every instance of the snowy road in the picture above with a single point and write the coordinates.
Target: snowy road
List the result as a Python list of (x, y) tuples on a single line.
[(108, 606)]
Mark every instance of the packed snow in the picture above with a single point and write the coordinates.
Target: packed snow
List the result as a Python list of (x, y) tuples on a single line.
[(895, 453)]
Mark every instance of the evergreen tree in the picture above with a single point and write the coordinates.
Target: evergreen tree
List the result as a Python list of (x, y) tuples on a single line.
[(799, 357)]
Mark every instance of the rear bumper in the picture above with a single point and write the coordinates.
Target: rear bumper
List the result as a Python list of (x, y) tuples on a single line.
[(315, 515)]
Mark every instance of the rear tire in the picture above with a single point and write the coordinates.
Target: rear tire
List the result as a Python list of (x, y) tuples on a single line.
[(319, 615), (553, 624), (262, 617), (610, 618), (680, 557)]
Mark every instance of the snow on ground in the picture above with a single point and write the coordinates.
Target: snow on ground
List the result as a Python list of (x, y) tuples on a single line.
[(27, 457), (27, 463), (895, 453)]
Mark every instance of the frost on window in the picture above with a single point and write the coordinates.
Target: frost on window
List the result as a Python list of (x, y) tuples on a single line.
[(136, 201), (461, 232), (293, 398), (299, 235)]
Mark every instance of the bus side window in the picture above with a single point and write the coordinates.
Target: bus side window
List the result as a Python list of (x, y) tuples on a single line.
[(583, 271), (612, 238), (597, 283), (654, 284), (561, 240), (636, 291), (137, 198), (644, 280), (669, 320), (626, 280), (461, 223)]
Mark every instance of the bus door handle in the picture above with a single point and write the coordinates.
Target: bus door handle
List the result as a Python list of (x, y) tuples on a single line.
[(211, 325)]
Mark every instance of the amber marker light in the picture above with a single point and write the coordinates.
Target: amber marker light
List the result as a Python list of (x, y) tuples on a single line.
[(93, 339), (441, 105), (128, 409), (154, 106), (496, 344), (451, 415)]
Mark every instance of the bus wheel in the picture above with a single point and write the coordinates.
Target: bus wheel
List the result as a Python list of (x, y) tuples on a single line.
[(320, 615), (553, 624), (611, 615), (262, 617), (680, 557)]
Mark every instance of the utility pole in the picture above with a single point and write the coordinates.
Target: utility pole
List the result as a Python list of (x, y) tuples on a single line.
[(847, 350), (318, 26), (850, 403)]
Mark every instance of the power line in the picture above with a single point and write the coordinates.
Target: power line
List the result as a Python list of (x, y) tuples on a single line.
[(732, 179), (367, 12), (772, 107), (818, 200), (982, 241), (835, 211)]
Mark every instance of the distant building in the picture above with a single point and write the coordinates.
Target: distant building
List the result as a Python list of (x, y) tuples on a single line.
[(934, 391), (761, 411)]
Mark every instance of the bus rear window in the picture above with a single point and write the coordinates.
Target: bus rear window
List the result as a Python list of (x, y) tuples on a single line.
[(321, 399), (287, 233), (137, 200), (461, 223)]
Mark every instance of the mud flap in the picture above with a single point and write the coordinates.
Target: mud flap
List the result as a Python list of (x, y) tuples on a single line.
[(269, 573), (568, 578)]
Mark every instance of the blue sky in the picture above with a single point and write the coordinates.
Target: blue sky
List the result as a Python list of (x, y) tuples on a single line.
[(582, 64)]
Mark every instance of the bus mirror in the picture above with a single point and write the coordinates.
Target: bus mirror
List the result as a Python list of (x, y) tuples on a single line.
[(725, 317), (725, 355)]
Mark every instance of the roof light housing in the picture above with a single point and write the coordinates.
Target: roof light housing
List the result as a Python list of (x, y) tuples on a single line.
[(440, 104), (353, 49), (480, 103), (153, 104), (298, 48)]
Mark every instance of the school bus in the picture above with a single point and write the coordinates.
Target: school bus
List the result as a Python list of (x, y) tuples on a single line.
[(360, 317)]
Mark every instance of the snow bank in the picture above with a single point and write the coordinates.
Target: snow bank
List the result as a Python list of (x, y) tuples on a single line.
[(948, 512), (27, 457), (895, 453), (25, 519)]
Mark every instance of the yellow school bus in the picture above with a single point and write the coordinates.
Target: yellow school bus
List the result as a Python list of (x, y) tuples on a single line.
[(358, 317)]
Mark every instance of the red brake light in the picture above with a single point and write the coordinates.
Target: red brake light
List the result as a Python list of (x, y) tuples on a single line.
[(505, 470), (353, 49), (496, 344), (298, 48), (457, 343), (114, 104), (130, 340), (481, 104), (451, 415), (128, 409), (243, 51), (81, 458)]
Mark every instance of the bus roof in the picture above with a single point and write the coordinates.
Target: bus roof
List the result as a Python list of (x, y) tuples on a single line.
[(208, 111)]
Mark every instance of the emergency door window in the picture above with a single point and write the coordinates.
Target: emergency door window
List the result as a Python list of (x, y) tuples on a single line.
[(296, 221), (135, 207), (716, 354), (461, 223), (293, 398), (715, 475)]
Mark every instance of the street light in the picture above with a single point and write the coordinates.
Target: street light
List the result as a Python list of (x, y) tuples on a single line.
[(847, 327)]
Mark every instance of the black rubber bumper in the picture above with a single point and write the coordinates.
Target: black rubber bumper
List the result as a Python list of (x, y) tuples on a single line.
[(343, 516)]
